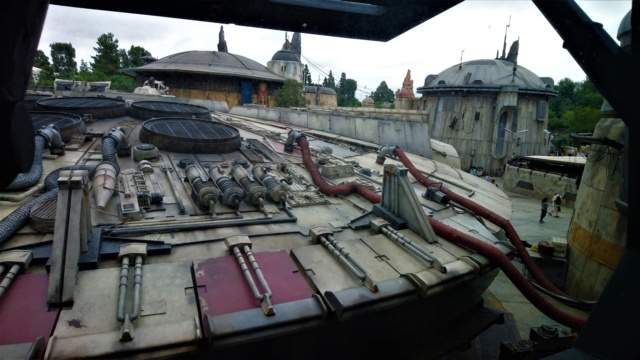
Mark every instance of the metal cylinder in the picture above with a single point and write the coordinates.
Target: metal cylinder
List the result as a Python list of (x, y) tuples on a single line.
[(206, 192), (277, 190), (254, 192), (104, 183), (231, 193)]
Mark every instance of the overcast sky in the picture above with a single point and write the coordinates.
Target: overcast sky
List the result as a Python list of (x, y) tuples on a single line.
[(475, 26)]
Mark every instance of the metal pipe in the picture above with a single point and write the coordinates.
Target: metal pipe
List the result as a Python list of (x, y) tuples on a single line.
[(167, 170), (413, 247), (346, 254), (19, 197), (202, 226), (8, 278), (256, 269), (357, 273), (124, 280), (137, 283), (247, 275)]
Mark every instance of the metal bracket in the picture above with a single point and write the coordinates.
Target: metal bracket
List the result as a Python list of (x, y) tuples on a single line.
[(71, 235), (399, 198)]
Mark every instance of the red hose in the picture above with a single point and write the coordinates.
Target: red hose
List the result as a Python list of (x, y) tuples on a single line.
[(510, 270), (333, 190), (489, 215), (451, 234)]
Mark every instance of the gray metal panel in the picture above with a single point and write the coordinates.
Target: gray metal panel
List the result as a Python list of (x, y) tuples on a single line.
[(392, 133), (418, 141), (296, 118), (367, 130), (319, 122), (343, 126)]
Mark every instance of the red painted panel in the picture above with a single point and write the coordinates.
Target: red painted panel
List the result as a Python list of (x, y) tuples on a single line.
[(280, 148), (23, 310), (227, 291)]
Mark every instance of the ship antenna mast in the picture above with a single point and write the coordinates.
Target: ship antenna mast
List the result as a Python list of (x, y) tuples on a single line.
[(504, 45)]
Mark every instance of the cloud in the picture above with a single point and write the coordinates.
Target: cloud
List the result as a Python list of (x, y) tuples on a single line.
[(477, 27)]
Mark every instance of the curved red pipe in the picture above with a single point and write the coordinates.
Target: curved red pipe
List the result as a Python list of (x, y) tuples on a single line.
[(452, 235), (489, 215), (333, 190)]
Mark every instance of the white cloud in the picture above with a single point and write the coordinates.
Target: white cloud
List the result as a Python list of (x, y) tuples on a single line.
[(477, 27)]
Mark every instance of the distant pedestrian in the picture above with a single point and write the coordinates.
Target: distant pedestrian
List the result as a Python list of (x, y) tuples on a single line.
[(570, 151), (493, 181), (556, 200), (488, 178), (544, 205)]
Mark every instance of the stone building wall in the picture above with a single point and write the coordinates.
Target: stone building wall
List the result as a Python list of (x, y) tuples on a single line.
[(323, 100), (209, 87), (286, 69), (470, 122), (537, 184)]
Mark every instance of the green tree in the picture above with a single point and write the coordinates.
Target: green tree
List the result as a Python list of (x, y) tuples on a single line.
[(306, 75), (124, 59), (347, 92), (42, 60), (107, 58), (45, 78), (135, 55), (383, 94), (575, 109), (63, 59), (290, 94), (342, 83), (122, 82), (84, 67), (329, 81), (586, 94)]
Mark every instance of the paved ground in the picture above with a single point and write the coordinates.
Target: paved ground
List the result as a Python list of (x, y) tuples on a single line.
[(504, 296)]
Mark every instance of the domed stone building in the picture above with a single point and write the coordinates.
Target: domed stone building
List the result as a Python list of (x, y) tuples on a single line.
[(286, 63), (213, 75), (368, 102), (320, 96), (488, 109)]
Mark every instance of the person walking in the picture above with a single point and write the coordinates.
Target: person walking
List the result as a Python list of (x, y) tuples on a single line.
[(544, 205), (556, 200)]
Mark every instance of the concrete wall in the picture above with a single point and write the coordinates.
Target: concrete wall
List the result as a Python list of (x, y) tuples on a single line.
[(598, 232), (519, 181), (409, 135), (470, 121)]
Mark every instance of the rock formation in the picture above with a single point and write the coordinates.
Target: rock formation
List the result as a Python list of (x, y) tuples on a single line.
[(407, 88)]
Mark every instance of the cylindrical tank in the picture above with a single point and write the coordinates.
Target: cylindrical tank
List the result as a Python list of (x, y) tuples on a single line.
[(598, 230), (254, 193), (104, 183), (231, 193), (205, 193), (277, 190)]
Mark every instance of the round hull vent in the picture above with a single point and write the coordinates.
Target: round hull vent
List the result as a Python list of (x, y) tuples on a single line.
[(145, 110), (68, 124), (98, 107), (183, 135)]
